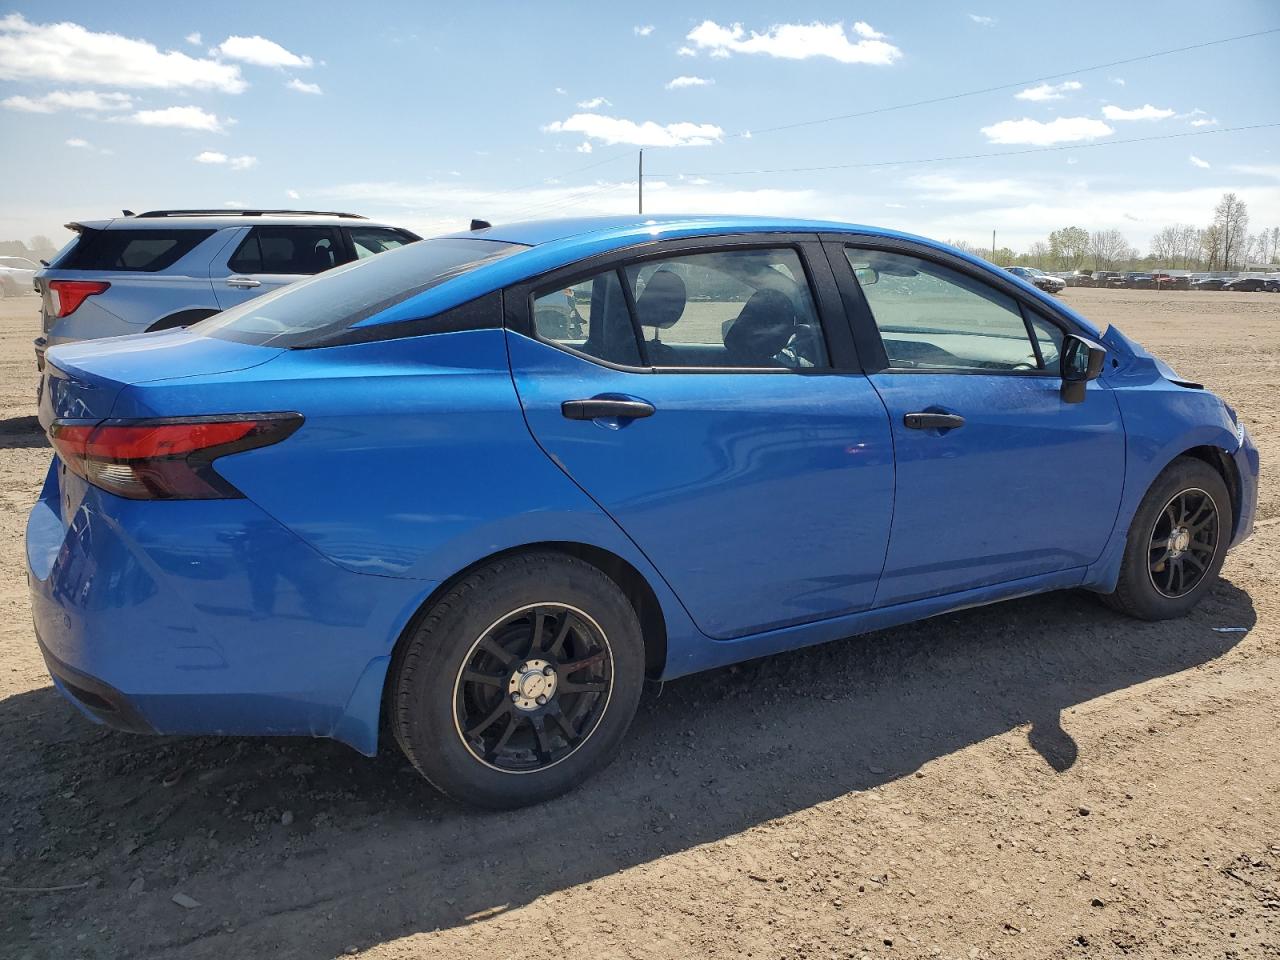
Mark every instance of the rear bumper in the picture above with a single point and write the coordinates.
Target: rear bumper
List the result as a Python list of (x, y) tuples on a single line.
[(207, 617)]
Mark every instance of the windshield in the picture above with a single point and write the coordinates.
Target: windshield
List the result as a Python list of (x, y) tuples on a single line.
[(313, 309)]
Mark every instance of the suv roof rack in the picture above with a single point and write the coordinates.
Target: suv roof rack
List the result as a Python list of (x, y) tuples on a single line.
[(247, 213)]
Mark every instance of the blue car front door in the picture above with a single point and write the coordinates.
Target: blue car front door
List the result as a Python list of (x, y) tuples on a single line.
[(998, 478), (695, 399)]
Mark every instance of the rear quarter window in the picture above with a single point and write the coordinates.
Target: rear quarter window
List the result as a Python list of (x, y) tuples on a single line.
[(314, 310), (142, 250)]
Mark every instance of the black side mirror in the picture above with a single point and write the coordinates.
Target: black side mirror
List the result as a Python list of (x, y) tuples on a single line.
[(1081, 362)]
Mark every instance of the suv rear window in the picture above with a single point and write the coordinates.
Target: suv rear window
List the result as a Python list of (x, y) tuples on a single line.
[(312, 310), (143, 250)]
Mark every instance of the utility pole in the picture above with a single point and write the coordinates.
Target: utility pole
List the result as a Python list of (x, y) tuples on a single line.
[(993, 246), (640, 184)]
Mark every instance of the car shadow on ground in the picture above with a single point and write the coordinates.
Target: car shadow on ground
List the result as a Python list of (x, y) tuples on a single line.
[(299, 848), (21, 432)]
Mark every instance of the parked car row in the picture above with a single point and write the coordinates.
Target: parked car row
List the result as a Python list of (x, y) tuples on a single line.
[(1045, 281), (172, 268), (1137, 280)]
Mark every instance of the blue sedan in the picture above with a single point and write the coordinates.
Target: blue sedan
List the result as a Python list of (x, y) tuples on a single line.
[(484, 485)]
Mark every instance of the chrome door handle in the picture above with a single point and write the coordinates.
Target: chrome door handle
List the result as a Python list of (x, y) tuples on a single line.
[(244, 283)]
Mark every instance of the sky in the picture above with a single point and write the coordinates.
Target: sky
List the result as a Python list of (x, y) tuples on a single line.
[(428, 114)]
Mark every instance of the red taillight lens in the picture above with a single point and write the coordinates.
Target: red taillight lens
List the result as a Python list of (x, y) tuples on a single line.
[(69, 294), (164, 459)]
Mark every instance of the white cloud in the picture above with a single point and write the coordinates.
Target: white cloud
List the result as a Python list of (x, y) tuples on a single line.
[(561, 90), (797, 41), (679, 82), (194, 38), (1118, 81), (952, 189), (79, 143), (69, 100), (1048, 91), (186, 118), (584, 147), (235, 163), (68, 53), (643, 31), (1145, 112), (234, 204), (982, 21), (1204, 122), (593, 103), (293, 194), (1036, 133), (611, 130), (261, 52), (301, 86), (686, 52), (1197, 162)]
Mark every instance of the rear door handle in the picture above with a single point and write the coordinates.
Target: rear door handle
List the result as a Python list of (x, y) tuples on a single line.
[(602, 408), (244, 283), (932, 421)]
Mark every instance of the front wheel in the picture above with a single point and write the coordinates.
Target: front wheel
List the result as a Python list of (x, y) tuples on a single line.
[(520, 682), (1177, 543)]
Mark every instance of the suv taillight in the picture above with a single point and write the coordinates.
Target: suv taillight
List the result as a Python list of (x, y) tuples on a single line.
[(67, 295), (164, 459)]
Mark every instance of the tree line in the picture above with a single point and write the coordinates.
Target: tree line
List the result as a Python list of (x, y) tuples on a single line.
[(1224, 244)]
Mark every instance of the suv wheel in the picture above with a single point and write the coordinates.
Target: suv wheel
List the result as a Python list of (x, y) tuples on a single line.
[(520, 682)]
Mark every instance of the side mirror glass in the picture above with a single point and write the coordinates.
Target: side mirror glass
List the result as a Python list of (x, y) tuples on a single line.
[(1081, 361)]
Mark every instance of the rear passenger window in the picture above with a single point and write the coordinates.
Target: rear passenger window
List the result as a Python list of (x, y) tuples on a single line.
[(589, 317), (734, 308), (288, 250), (143, 250), (931, 317), (368, 241)]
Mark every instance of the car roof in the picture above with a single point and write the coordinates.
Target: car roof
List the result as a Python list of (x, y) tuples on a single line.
[(218, 221)]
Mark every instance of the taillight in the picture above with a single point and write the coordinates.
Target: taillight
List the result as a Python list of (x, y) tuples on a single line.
[(164, 459), (67, 295)]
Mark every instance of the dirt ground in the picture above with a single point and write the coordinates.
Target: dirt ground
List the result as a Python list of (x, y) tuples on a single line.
[(1037, 779)]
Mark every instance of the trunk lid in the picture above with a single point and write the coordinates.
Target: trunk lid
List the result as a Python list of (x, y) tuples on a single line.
[(81, 381)]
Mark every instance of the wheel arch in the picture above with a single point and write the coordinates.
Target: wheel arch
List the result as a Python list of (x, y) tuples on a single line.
[(1225, 466), (633, 584)]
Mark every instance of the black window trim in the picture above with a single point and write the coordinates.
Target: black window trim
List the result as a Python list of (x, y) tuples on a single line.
[(867, 334), (842, 355)]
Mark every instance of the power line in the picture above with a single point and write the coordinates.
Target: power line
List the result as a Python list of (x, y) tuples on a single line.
[(966, 156), (1004, 86)]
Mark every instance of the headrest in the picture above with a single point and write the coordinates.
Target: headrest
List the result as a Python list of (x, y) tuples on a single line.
[(661, 302), (766, 325)]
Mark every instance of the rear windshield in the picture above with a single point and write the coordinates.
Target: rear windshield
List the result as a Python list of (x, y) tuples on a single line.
[(144, 250), (315, 309)]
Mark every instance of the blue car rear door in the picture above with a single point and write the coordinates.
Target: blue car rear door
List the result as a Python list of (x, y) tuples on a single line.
[(706, 395), (998, 479)]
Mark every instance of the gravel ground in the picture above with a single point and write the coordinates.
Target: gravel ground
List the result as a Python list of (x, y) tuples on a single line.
[(1041, 778)]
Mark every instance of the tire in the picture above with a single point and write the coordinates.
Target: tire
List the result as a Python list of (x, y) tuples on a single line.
[(466, 683), (1150, 586)]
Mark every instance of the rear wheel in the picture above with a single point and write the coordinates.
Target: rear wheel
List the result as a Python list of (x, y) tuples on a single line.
[(520, 682), (1177, 543)]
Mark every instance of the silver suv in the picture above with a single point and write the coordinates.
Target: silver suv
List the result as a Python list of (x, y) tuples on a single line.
[(172, 268)]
